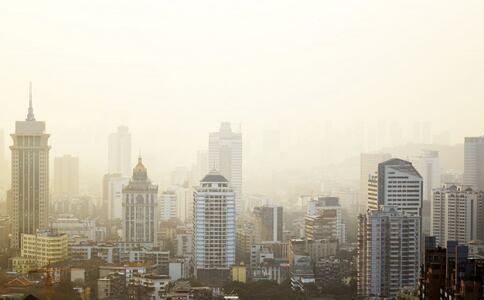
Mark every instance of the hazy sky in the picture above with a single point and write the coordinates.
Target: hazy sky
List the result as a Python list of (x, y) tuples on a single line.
[(172, 70)]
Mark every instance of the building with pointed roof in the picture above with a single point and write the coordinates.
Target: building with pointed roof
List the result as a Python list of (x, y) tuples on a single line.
[(140, 208), (30, 176)]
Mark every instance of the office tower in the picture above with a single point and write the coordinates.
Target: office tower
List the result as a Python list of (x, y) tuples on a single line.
[(184, 202), (474, 162), (457, 214), (225, 155), (388, 252), (201, 167), (140, 208), (66, 177), (428, 166), (30, 176), (368, 166), (168, 205), (397, 183), (112, 201), (213, 228), (268, 223), (119, 152), (324, 220)]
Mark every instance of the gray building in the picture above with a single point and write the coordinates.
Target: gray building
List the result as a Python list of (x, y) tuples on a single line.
[(269, 223), (474, 162), (140, 208), (30, 176)]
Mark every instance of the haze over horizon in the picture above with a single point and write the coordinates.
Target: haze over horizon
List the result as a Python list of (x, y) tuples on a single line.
[(172, 71)]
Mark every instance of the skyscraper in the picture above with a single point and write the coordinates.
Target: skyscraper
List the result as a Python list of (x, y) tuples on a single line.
[(112, 200), (368, 166), (30, 176), (225, 155), (66, 177), (398, 184), (213, 228), (140, 208), (428, 166), (474, 162), (457, 214), (388, 252), (268, 223), (119, 152)]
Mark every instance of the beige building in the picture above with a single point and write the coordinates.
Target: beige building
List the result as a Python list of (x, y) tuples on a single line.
[(30, 177), (40, 249)]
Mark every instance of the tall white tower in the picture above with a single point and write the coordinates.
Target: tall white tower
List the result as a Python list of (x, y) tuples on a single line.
[(30, 176), (225, 155), (213, 228), (119, 152)]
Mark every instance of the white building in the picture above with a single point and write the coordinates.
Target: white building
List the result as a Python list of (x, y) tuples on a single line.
[(140, 208), (113, 195), (225, 155), (119, 152), (168, 206), (151, 286), (428, 166), (457, 214), (30, 176), (368, 166), (398, 184), (388, 252), (214, 227), (474, 162), (73, 226)]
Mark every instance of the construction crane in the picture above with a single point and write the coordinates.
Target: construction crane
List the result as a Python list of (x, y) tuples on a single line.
[(48, 270)]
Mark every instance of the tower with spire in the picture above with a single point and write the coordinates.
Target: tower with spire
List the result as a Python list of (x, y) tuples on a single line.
[(140, 208), (30, 176)]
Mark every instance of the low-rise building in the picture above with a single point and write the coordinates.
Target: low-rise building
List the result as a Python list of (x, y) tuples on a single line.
[(40, 249), (148, 286)]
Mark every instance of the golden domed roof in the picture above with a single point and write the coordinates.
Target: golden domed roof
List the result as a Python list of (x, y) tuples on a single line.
[(139, 167), (139, 171)]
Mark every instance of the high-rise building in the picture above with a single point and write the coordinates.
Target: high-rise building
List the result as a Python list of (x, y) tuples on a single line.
[(112, 201), (388, 252), (324, 219), (140, 208), (398, 184), (213, 228), (30, 176), (66, 177), (428, 166), (225, 155), (268, 223), (457, 214), (474, 162), (168, 205), (368, 166), (119, 152)]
